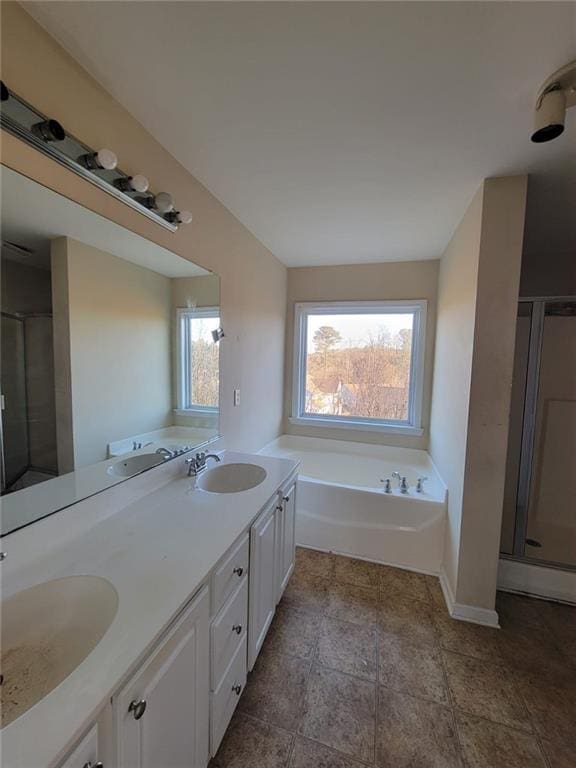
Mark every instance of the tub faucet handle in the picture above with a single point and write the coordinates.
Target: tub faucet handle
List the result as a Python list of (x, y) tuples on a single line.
[(403, 485), (420, 484), (387, 485)]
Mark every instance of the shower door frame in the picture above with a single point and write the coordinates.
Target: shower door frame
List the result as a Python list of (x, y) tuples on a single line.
[(529, 429)]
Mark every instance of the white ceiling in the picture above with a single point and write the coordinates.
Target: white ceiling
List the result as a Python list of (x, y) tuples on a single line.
[(341, 132), (33, 215)]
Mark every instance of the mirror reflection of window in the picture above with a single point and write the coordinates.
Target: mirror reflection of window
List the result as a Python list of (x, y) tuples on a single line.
[(198, 355)]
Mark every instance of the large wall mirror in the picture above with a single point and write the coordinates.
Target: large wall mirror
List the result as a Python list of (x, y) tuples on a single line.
[(109, 353)]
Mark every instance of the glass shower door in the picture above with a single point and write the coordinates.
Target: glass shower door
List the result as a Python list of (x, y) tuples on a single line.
[(15, 447), (551, 508)]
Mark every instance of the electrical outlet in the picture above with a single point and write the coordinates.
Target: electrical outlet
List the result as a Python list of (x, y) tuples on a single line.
[(236, 397)]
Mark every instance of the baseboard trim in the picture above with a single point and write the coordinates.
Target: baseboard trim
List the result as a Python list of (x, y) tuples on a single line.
[(462, 612)]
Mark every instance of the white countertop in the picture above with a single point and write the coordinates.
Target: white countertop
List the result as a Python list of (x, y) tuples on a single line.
[(157, 552)]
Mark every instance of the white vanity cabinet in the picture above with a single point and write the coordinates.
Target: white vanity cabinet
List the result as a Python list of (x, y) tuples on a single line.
[(286, 533), (263, 583), (228, 637), (175, 708), (161, 714)]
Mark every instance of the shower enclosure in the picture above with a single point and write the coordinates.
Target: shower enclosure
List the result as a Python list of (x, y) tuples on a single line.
[(28, 430), (539, 517)]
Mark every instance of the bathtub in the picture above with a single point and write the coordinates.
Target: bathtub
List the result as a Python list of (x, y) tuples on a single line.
[(342, 507)]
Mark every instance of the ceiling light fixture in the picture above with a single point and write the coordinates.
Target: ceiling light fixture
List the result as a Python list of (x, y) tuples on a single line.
[(556, 95)]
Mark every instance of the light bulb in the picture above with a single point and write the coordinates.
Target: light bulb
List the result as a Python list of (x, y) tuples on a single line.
[(184, 217), (136, 183), (104, 159), (139, 183), (164, 202)]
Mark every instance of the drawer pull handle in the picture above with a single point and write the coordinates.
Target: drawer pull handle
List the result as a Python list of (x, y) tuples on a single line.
[(286, 498), (90, 764), (238, 571), (237, 628), (137, 708), (237, 689)]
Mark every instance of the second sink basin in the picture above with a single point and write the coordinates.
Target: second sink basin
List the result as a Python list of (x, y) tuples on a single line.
[(135, 464), (47, 631), (231, 478)]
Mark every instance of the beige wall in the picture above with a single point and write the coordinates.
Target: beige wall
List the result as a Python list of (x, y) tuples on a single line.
[(253, 281), (363, 282), (477, 305), (120, 347), (452, 369)]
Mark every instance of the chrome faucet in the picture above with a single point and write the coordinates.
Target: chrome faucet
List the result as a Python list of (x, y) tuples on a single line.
[(198, 463), (136, 446), (402, 482), (165, 452)]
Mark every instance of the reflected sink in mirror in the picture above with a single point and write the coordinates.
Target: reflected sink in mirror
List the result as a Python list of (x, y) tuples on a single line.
[(135, 464), (231, 478), (47, 631)]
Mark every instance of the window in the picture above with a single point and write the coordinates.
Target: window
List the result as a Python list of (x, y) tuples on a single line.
[(359, 365), (198, 357)]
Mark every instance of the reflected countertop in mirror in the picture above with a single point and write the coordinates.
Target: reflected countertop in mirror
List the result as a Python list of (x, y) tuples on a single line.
[(110, 356)]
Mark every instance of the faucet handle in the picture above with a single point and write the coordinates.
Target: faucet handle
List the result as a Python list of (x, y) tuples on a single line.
[(387, 485), (420, 484)]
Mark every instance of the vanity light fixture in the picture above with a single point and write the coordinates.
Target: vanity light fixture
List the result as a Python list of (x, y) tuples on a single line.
[(103, 159), (99, 167)]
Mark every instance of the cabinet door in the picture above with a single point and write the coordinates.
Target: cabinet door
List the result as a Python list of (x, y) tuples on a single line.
[(262, 580), (86, 753), (286, 555), (162, 713)]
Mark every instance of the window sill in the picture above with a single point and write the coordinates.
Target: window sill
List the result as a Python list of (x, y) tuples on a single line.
[(359, 426), (195, 411)]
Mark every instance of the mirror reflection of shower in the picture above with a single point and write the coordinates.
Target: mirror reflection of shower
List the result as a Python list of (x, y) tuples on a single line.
[(28, 435), (539, 521)]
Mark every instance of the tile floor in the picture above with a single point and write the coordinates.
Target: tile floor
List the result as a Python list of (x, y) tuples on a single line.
[(364, 667)]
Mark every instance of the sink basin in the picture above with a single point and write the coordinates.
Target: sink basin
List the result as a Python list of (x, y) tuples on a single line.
[(47, 631), (231, 478), (134, 464)]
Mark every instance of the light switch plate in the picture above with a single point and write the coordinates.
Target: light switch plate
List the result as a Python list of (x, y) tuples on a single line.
[(236, 397)]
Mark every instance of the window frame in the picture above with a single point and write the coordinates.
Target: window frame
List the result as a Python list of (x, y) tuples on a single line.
[(410, 426), (183, 354)]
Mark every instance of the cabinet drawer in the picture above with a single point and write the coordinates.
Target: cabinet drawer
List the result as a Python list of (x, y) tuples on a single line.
[(228, 574), (224, 699), (228, 630)]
